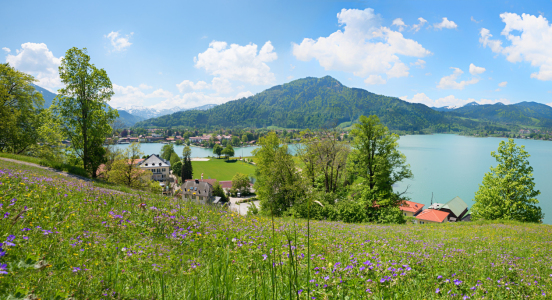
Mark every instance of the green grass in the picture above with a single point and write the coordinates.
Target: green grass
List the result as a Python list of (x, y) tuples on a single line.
[(221, 169), (64, 239), (76, 170)]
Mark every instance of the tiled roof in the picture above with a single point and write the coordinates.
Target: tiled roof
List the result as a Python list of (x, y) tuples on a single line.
[(433, 215), (411, 206), (209, 181)]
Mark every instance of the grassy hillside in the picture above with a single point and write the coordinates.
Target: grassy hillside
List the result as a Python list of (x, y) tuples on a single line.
[(523, 113), (221, 169), (63, 238)]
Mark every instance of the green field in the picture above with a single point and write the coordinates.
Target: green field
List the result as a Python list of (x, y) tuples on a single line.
[(221, 169)]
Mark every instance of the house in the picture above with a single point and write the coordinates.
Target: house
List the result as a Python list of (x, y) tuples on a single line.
[(158, 166), (199, 191), (411, 209), (432, 216), (199, 139), (457, 209)]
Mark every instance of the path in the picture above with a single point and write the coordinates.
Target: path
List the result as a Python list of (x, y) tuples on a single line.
[(243, 207)]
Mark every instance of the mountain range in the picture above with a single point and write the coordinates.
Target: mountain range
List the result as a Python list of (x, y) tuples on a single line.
[(128, 116)]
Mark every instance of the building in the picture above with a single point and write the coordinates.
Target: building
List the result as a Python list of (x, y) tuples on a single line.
[(410, 209), (198, 190), (432, 216), (456, 208), (158, 166)]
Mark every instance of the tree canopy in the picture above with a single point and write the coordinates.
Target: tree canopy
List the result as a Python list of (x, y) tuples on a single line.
[(508, 190)]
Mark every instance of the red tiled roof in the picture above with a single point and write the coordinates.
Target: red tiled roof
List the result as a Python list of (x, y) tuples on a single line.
[(411, 206), (209, 181), (433, 215)]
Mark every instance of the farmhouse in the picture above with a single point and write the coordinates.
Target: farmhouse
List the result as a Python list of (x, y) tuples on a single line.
[(457, 209), (158, 166), (200, 191), (432, 216), (411, 209)]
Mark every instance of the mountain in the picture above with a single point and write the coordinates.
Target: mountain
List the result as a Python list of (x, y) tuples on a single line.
[(148, 112), (523, 113), (307, 103), (124, 117)]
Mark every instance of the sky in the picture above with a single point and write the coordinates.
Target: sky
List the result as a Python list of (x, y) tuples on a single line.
[(165, 54)]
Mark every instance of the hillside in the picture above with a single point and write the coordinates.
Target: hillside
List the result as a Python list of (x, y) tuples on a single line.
[(62, 238), (307, 103), (523, 113)]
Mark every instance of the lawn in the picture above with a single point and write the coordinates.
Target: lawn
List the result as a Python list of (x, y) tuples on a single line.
[(64, 239), (221, 169)]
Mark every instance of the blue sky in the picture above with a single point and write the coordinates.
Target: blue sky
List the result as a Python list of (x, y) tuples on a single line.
[(174, 53)]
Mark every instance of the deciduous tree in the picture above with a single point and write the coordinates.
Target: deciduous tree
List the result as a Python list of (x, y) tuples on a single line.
[(217, 149), (82, 107), (508, 190), (166, 151)]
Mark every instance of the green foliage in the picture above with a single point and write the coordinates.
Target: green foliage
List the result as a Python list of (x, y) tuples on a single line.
[(228, 151), (125, 170), (166, 151), (174, 159), (187, 168), (240, 183), (20, 106), (222, 170), (217, 149), (82, 107), (508, 190), (218, 191), (177, 168)]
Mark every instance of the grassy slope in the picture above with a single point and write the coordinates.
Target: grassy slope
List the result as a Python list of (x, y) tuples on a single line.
[(77, 240), (220, 169)]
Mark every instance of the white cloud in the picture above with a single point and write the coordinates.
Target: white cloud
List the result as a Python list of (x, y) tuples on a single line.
[(497, 90), (8, 50), (290, 77), (363, 48), (187, 86), (399, 23), (549, 104), (145, 86), (37, 60), (417, 27), (533, 42), (503, 84), (291, 67), (476, 70), (449, 101), (427, 74), (244, 95), (220, 85), (446, 23), (374, 79), (419, 63), (449, 82), (474, 20), (119, 42), (241, 63)]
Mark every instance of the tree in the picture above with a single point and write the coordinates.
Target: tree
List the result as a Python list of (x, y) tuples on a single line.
[(166, 151), (82, 107), (217, 149), (218, 191), (235, 141), (508, 190), (228, 151), (187, 169), (244, 139), (48, 144), (124, 133), (378, 162), (20, 106), (240, 182), (126, 171), (278, 184), (174, 159), (177, 168)]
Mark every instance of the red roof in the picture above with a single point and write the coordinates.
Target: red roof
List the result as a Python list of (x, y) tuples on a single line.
[(209, 181), (411, 206), (433, 215)]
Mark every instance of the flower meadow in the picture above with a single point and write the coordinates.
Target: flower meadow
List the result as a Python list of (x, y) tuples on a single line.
[(61, 238)]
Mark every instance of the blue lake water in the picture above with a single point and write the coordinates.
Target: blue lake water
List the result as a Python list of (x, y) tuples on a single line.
[(444, 164)]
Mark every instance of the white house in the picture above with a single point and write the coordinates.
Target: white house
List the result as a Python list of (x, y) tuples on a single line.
[(158, 166)]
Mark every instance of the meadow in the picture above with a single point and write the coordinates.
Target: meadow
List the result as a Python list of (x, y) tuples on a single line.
[(221, 169), (63, 238)]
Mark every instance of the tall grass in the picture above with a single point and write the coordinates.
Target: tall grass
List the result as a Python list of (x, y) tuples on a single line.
[(75, 240)]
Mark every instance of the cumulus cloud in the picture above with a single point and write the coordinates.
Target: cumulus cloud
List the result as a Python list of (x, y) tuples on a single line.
[(37, 60), (549, 104), (8, 50), (446, 23), (363, 47), (476, 70), (220, 85), (449, 82), (374, 79), (530, 39), (503, 84), (419, 63), (119, 42), (449, 101), (417, 27), (399, 23), (243, 63)]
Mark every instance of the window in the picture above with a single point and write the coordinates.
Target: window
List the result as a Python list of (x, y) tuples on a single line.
[(404, 214)]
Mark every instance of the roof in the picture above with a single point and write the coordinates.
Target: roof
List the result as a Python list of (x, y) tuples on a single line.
[(456, 205), (154, 161), (435, 206), (200, 188), (433, 215), (209, 181), (411, 206)]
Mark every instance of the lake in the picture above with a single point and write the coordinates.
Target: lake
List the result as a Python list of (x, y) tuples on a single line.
[(446, 165)]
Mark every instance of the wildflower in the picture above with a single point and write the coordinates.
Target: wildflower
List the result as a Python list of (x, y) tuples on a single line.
[(265, 256), (299, 292), (3, 268), (76, 269), (439, 277), (6, 215), (437, 291)]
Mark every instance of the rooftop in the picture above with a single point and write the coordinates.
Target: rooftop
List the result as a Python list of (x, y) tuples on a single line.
[(433, 215), (411, 206)]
